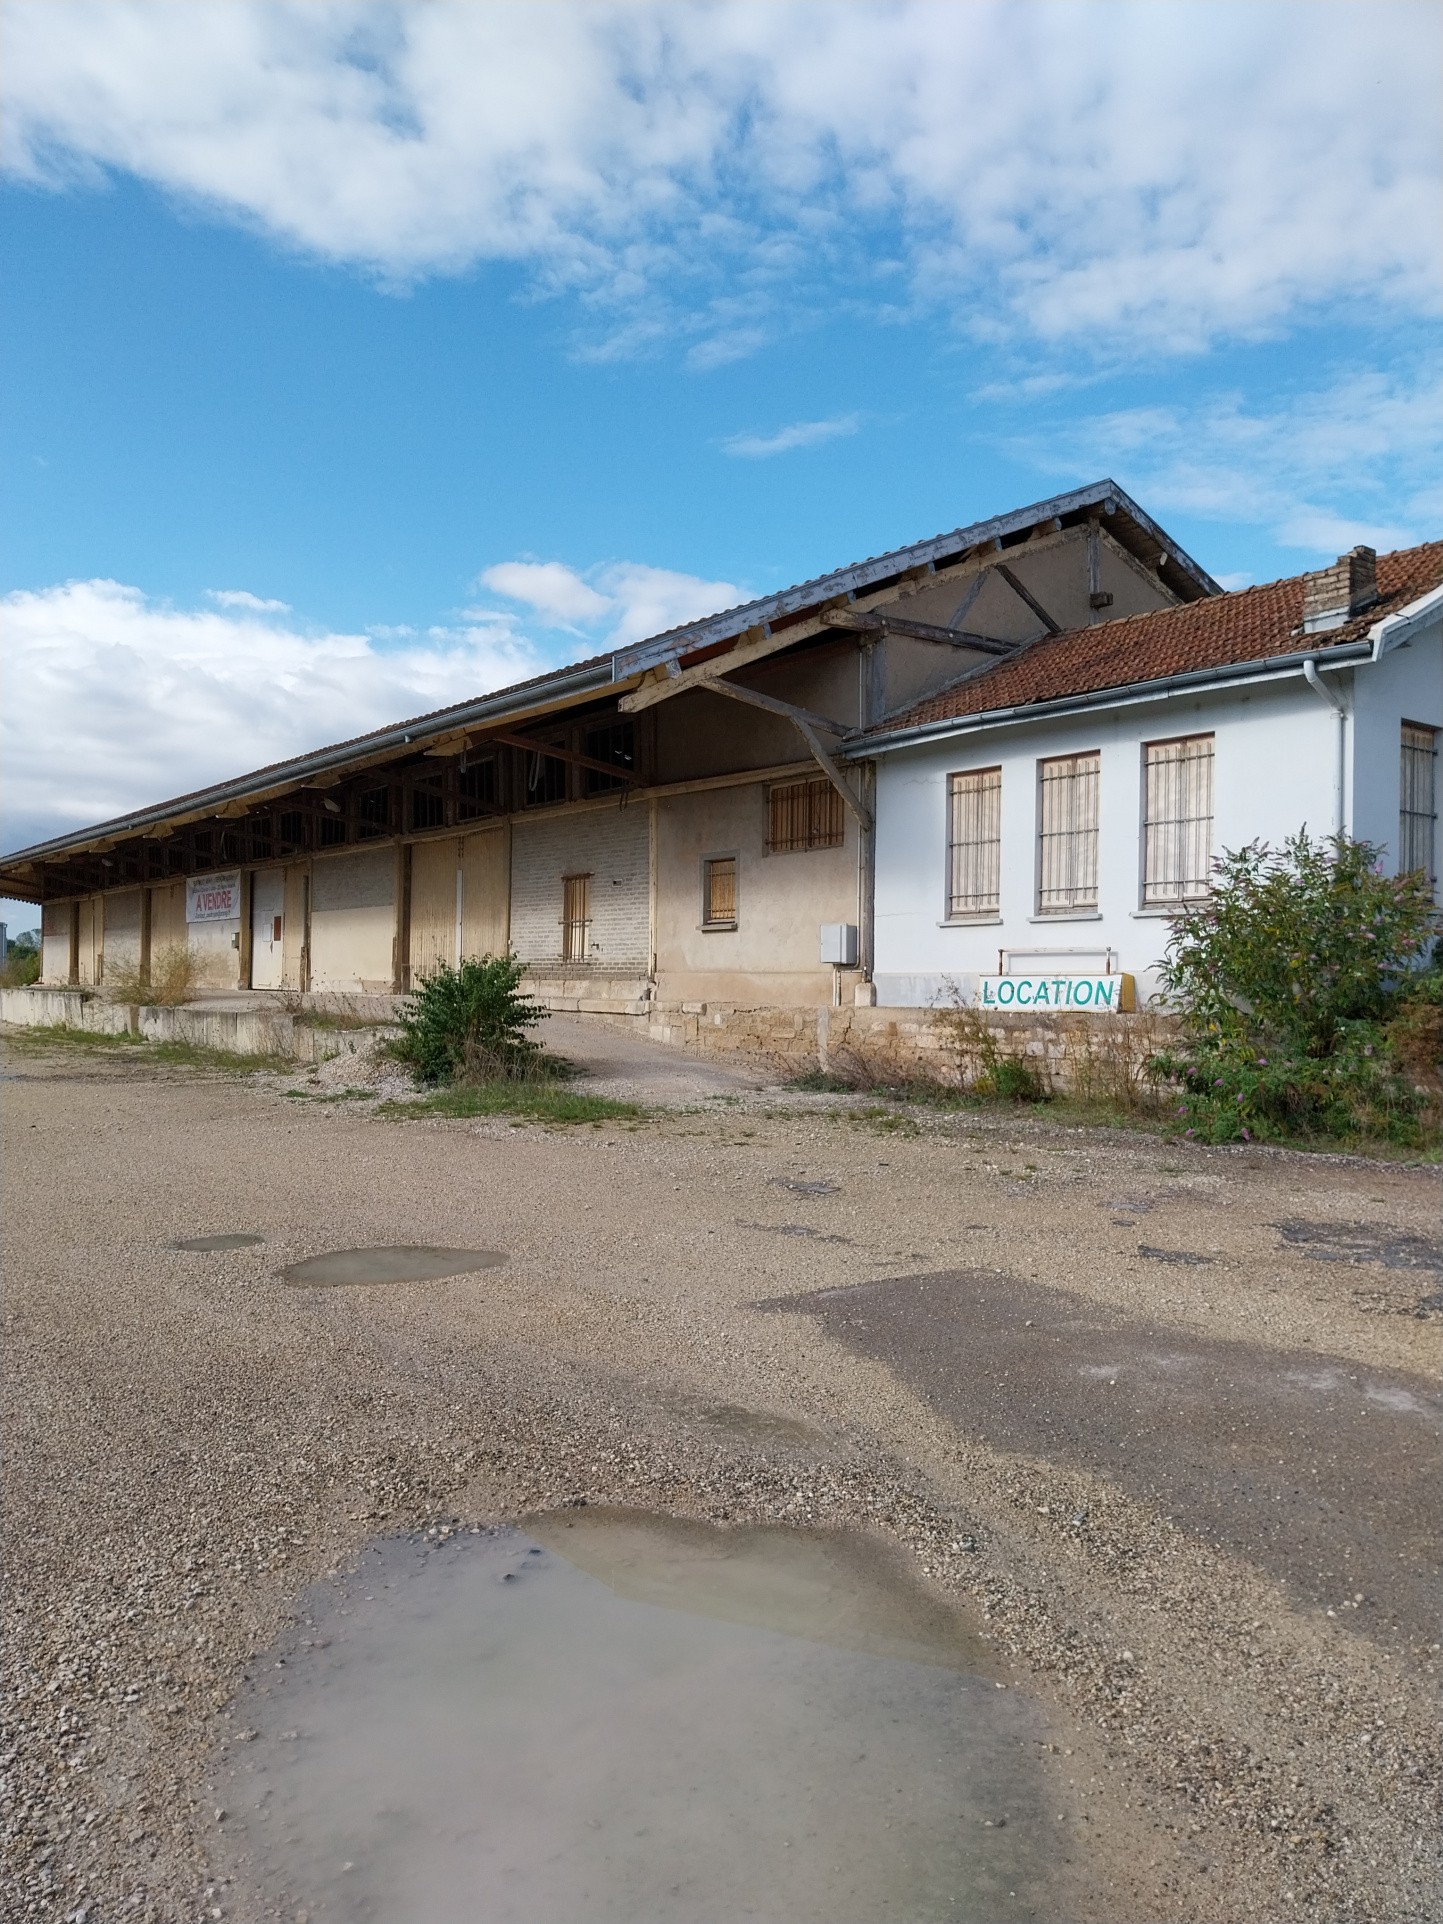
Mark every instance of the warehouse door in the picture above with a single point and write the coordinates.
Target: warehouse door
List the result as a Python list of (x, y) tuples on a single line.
[(268, 917)]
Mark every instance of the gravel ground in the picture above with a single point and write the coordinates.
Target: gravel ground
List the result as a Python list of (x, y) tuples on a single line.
[(190, 1441)]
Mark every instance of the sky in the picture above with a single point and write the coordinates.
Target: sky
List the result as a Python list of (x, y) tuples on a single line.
[(362, 357)]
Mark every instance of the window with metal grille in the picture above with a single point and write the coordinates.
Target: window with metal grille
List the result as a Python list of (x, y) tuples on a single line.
[(1067, 833), (802, 815), (974, 842), (292, 828), (332, 831), (616, 742), (544, 779), (428, 806), (1177, 820), (719, 892), (575, 916), (476, 789), (374, 812), (1418, 804)]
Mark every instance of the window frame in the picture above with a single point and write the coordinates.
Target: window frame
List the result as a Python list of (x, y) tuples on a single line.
[(1430, 867), (719, 925), (810, 785), (1177, 902), (951, 914), (569, 922), (1075, 908)]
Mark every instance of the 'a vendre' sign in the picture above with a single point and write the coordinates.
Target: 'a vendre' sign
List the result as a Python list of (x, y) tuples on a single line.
[(213, 898), (1096, 994)]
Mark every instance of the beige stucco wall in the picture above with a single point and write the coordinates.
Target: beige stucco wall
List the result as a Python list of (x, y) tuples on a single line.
[(353, 920), (295, 932), (55, 929), (771, 956)]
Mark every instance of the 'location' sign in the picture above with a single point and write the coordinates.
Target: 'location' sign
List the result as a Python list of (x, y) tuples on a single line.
[(1097, 994), (213, 898)]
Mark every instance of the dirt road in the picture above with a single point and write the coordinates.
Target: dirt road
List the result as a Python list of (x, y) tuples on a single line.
[(1167, 1418)]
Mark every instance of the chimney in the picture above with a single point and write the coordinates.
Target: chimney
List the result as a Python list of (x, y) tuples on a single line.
[(1334, 595)]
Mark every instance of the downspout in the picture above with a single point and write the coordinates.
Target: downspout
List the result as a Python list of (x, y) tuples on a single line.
[(1340, 708)]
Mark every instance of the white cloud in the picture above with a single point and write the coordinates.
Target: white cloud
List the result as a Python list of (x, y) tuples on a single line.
[(553, 590), (801, 434), (1170, 173), (1357, 460), (615, 604), (242, 598), (114, 700)]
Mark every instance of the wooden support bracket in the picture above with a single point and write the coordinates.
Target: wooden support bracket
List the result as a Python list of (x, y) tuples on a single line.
[(806, 725)]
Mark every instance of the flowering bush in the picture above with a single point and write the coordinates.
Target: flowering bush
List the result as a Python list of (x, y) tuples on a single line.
[(1304, 992)]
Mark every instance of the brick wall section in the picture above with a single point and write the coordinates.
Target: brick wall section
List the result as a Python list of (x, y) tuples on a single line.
[(612, 846)]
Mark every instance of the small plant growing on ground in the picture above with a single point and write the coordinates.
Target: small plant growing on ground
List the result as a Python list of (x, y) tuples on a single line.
[(471, 1023), (1305, 1005), (173, 977)]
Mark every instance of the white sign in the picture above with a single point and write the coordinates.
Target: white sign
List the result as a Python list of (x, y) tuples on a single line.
[(1098, 994), (213, 898)]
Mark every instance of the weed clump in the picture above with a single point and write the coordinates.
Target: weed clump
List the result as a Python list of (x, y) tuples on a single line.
[(470, 1023), (172, 977)]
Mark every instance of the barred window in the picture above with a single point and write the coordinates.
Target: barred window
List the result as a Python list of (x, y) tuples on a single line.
[(719, 892), (1418, 805), (1067, 832), (802, 815), (974, 842), (428, 805), (575, 917), (475, 789), (614, 742), (1177, 832)]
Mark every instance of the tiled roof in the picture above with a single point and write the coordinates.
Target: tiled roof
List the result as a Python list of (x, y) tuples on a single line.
[(1218, 632)]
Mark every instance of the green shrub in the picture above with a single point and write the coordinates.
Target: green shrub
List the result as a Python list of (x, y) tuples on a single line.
[(20, 968), (1303, 1002), (470, 1022)]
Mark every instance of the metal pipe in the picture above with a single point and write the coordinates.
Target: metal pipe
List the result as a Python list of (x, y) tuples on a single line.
[(1339, 707)]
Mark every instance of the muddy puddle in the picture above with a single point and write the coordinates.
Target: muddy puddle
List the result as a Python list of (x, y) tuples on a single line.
[(397, 1263), (607, 1716)]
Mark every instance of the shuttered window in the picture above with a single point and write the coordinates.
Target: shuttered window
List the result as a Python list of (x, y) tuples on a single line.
[(575, 916), (719, 892), (803, 815), (1418, 806), (1177, 833), (974, 842), (1067, 833)]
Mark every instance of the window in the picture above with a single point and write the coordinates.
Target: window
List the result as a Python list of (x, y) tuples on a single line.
[(974, 842), (1067, 833), (616, 743), (802, 815), (428, 807), (575, 916), (1418, 805), (543, 779), (719, 892), (475, 789), (375, 812), (333, 831), (1177, 820)]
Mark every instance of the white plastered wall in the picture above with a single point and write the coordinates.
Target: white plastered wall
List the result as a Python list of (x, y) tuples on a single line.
[(1275, 755), (1405, 685)]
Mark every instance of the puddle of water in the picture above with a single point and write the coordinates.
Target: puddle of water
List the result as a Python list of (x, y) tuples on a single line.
[(398, 1264), (761, 1426), (219, 1242), (619, 1717)]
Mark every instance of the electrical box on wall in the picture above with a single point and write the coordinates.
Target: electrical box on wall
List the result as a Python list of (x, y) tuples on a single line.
[(839, 944)]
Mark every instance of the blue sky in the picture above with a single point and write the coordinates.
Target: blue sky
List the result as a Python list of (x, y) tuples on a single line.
[(364, 356)]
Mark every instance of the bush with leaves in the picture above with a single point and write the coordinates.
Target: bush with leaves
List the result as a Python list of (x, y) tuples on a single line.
[(470, 1022), (1299, 981)]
